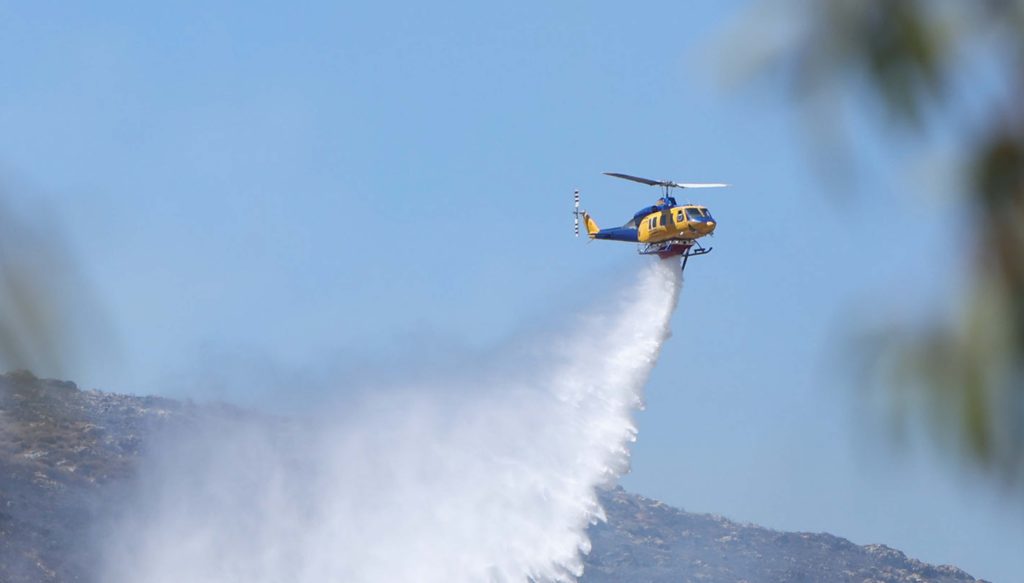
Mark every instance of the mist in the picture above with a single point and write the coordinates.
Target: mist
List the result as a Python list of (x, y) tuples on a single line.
[(497, 483)]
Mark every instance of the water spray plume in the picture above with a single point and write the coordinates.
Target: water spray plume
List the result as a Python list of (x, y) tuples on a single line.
[(499, 485)]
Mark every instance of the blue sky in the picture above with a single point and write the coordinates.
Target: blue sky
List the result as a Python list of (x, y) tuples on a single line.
[(281, 195)]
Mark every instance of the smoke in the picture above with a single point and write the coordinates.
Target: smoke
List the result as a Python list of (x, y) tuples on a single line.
[(49, 316), (424, 484)]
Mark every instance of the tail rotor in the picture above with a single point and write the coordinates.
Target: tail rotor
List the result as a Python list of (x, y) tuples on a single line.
[(576, 212)]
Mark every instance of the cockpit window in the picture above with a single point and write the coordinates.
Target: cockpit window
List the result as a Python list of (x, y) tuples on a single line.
[(680, 217), (694, 214)]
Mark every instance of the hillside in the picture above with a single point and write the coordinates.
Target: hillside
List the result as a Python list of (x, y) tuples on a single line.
[(65, 453), (647, 541)]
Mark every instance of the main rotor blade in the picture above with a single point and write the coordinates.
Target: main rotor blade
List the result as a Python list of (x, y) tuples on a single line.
[(699, 184), (667, 183), (638, 179)]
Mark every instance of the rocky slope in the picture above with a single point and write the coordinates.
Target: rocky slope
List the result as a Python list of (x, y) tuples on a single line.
[(64, 454), (647, 541)]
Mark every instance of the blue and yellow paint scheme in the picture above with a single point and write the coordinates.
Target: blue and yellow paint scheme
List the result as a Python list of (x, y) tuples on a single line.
[(666, 228), (664, 221)]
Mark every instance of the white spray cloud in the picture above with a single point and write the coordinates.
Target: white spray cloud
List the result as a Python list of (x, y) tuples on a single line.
[(498, 484)]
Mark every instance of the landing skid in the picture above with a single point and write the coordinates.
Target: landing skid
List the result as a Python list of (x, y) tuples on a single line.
[(675, 248)]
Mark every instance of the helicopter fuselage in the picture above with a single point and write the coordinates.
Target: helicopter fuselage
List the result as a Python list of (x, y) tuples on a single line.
[(680, 222), (664, 221)]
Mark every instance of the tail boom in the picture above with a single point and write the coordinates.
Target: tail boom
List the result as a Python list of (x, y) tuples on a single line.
[(628, 234)]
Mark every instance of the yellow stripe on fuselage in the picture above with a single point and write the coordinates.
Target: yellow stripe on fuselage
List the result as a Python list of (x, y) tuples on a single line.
[(673, 224)]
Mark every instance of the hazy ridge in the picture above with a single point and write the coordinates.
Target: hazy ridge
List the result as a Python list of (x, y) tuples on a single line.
[(66, 456)]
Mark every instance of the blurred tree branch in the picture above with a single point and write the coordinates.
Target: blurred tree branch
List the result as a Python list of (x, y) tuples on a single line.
[(909, 56)]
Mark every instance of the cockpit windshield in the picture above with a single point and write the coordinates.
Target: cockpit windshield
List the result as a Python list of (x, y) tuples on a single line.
[(695, 215)]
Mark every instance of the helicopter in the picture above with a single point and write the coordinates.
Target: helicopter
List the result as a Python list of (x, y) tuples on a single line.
[(666, 228)]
